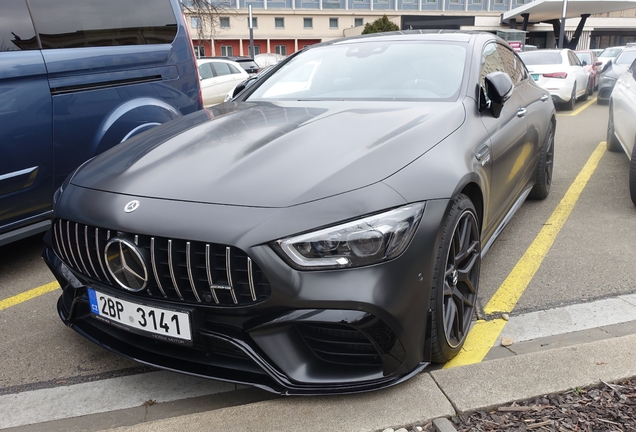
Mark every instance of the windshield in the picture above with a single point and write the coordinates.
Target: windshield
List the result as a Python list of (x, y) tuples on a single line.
[(370, 71), (611, 52), (626, 57), (539, 57), (584, 57)]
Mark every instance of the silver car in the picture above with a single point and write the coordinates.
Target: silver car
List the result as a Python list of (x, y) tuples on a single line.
[(621, 126)]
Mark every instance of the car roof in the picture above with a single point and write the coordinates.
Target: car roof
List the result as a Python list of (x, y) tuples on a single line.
[(211, 59), (415, 35)]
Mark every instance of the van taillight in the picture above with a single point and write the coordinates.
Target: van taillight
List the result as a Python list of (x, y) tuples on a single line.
[(561, 75)]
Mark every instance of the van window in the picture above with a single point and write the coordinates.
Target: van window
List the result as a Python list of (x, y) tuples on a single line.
[(16, 28), (103, 23)]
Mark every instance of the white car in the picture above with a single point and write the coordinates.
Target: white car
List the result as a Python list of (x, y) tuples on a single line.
[(560, 72), (218, 76), (609, 53), (621, 126)]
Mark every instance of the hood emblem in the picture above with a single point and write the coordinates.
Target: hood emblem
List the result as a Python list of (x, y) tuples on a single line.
[(126, 264), (131, 206)]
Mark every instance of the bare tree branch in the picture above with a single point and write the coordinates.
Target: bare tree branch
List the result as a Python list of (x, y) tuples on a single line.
[(208, 13)]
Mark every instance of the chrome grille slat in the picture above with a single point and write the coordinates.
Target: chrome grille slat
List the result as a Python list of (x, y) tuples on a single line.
[(99, 254), (70, 244), (79, 250), (250, 278), (154, 266), (189, 263), (88, 252), (228, 269), (233, 278), (174, 280), (209, 273)]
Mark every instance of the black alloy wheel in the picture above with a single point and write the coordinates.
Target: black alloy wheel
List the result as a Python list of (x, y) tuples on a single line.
[(456, 281), (632, 175), (612, 142), (541, 188), (572, 102)]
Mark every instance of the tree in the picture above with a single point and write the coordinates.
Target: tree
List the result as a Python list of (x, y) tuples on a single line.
[(380, 25), (206, 13)]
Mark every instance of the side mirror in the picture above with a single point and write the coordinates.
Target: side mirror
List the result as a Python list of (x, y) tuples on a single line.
[(598, 63), (583, 63), (499, 88), (243, 85), (607, 65)]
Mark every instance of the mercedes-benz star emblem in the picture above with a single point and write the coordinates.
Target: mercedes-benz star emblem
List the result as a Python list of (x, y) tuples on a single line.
[(126, 264), (131, 206)]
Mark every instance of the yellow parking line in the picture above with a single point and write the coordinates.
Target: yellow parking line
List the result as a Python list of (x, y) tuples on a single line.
[(573, 113), (35, 292), (484, 334)]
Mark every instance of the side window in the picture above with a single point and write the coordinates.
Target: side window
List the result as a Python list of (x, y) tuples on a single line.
[(92, 23), (16, 28), (205, 71), (574, 60), (490, 62), (221, 68), (512, 64), (233, 69)]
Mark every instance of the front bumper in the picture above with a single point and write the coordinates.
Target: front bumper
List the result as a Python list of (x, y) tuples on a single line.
[(605, 88), (316, 332)]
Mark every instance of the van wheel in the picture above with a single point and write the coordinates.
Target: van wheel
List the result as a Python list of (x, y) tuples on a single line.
[(455, 281)]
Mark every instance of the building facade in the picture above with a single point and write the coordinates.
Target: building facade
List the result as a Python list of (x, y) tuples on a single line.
[(285, 26)]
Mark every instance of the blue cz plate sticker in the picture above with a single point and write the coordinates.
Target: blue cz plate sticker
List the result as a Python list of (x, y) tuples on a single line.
[(92, 298)]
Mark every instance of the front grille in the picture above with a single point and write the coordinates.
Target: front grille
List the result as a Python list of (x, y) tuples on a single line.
[(336, 343), (178, 270)]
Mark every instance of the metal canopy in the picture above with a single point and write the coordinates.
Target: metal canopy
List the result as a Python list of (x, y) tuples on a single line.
[(546, 10)]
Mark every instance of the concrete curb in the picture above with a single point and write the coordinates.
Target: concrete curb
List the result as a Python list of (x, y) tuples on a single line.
[(439, 393)]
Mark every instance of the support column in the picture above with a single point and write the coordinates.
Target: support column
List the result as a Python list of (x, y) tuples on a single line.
[(526, 17), (577, 33)]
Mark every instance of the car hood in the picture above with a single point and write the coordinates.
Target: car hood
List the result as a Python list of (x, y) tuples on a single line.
[(615, 71), (272, 154)]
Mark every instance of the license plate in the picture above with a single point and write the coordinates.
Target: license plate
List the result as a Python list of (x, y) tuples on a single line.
[(535, 77), (163, 324)]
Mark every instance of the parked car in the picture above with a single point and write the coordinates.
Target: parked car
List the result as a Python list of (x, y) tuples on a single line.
[(93, 75), (621, 126), (247, 63), (246, 83), (613, 72), (598, 52), (321, 239), (560, 72), (609, 54), (219, 76), (592, 65), (268, 59)]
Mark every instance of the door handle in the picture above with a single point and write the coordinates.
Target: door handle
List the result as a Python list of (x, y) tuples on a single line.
[(544, 98), (483, 155), (521, 112)]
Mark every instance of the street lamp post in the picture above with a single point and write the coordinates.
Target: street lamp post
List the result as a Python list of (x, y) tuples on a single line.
[(562, 30), (251, 48)]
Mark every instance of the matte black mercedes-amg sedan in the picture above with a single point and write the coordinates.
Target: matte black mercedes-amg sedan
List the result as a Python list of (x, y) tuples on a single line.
[(322, 232)]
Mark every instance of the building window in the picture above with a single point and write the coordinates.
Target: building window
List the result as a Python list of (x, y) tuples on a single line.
[(279, 22), (199, 51), (454, 1), (254, 22), (499, 2), (308, 23), (520, 2), (280, 49), (475, 1), (257, 50), (431, 1), (357, 22), (333, 23), (227, 51), (408, 1), (224, 22), (195, 22)]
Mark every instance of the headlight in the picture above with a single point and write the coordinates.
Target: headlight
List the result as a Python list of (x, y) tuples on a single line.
[(362, 242)]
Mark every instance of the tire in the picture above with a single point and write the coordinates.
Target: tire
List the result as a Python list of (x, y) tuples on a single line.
[(632, 175), (455, 281), (572, 102), (543, 181), (587, 92), (612, 142)]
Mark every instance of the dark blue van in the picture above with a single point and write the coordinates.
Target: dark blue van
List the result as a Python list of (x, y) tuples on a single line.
[(76, 78)]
